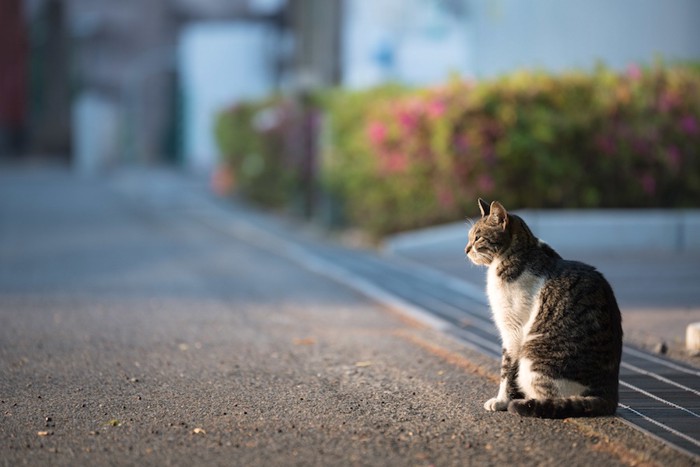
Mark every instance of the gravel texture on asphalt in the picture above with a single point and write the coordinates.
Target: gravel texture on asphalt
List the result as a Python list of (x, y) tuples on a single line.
[(131, 335)]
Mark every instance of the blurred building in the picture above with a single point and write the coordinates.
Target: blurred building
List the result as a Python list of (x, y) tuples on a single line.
[(423, 41), (130, 80), (13, 76), (111, 81)]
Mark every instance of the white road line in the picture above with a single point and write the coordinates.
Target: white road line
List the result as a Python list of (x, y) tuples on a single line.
[(648, 394), (661, 425), (659, 377), (660, 361)]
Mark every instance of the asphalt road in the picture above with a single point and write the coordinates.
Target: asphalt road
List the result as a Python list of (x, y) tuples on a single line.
[(131, 334)]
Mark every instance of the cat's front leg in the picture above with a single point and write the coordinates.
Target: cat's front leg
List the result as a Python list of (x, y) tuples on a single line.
[(500, 402), (507, 390)]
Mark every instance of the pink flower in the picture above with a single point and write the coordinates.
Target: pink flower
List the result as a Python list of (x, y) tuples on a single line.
[(634, 72), (640, 145), (689, 125), (648, 184), (408, 120), (376, 132), (485, 183), (436, 109), (409, 113), (445, 197), (667, 101), (674, 157), (461, 142), (394, 162), (606, 145)]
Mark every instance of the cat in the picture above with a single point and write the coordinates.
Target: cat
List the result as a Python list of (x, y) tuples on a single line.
[(559, 322)]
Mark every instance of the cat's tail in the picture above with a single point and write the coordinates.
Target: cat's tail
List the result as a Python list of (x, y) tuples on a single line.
[(578, 406)]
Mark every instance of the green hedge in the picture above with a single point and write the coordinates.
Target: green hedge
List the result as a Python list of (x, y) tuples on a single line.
[(529, 139), (253, 137), (399, 158)]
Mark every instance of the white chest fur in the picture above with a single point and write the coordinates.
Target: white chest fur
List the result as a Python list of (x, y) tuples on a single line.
[(514, 306)]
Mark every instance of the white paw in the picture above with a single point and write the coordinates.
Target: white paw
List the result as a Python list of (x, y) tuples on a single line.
[(496, 405)]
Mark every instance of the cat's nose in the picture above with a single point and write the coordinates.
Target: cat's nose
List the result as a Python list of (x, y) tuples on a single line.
[(466, 249)]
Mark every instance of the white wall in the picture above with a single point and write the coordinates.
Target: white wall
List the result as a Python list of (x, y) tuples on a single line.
[(219, 64), (483, 38), (96, 130), (564, 34), (426, 42)]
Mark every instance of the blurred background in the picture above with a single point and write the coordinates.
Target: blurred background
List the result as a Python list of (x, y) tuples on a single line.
[(98, 81)]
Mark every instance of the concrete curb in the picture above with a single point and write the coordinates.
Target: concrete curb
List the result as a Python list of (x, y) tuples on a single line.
[(676, 231)]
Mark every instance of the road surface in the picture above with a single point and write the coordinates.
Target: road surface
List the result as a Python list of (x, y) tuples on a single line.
[(131, 333)]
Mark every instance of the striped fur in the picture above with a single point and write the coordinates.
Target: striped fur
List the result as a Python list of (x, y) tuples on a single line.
[(575, 406), (559, 323)]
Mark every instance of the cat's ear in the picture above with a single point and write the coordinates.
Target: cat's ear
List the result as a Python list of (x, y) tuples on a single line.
[(484, 208), (499, 213)]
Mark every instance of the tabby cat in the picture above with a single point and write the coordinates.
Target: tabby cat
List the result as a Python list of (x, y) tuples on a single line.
[(559, 322)]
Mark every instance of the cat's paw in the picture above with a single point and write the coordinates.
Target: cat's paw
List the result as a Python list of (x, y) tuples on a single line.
[(496, 405)]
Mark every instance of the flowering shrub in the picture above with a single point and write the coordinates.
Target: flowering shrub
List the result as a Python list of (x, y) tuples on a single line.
[(399, 158), (266, 146), (528, 139), (348, 166), (251, 138)]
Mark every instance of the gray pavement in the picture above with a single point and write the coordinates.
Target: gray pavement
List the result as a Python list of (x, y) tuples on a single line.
[(131, 333)]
